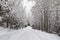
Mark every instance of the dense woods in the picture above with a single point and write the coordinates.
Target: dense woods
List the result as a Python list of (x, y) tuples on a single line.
[(45, 15)]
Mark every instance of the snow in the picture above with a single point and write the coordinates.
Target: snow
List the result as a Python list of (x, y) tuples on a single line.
[(28, 4), (26, 34)]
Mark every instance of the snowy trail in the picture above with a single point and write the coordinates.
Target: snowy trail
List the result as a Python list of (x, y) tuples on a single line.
[(46, 36), (27, 34)]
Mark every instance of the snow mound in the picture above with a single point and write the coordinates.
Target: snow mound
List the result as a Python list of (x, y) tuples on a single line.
[(27, 34), (28, 28)]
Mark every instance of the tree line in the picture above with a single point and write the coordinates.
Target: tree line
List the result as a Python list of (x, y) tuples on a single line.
[(45, 15)]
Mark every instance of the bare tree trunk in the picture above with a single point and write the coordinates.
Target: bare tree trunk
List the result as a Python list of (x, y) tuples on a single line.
[(46, 21), (7, 24), (57, 18), (41, 22)]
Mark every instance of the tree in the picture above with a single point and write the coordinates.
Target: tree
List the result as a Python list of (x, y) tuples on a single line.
[(12, 10)]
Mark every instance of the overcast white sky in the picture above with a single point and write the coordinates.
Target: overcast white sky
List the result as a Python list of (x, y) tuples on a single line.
[(28, 6)]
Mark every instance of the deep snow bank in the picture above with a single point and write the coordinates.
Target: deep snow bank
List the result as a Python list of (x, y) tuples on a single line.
[(26, 34)]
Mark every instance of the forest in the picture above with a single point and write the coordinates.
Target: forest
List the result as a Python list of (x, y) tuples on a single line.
[(45, 15)]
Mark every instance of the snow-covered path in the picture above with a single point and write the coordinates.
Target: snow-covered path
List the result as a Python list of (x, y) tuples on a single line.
[(26, 34)]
